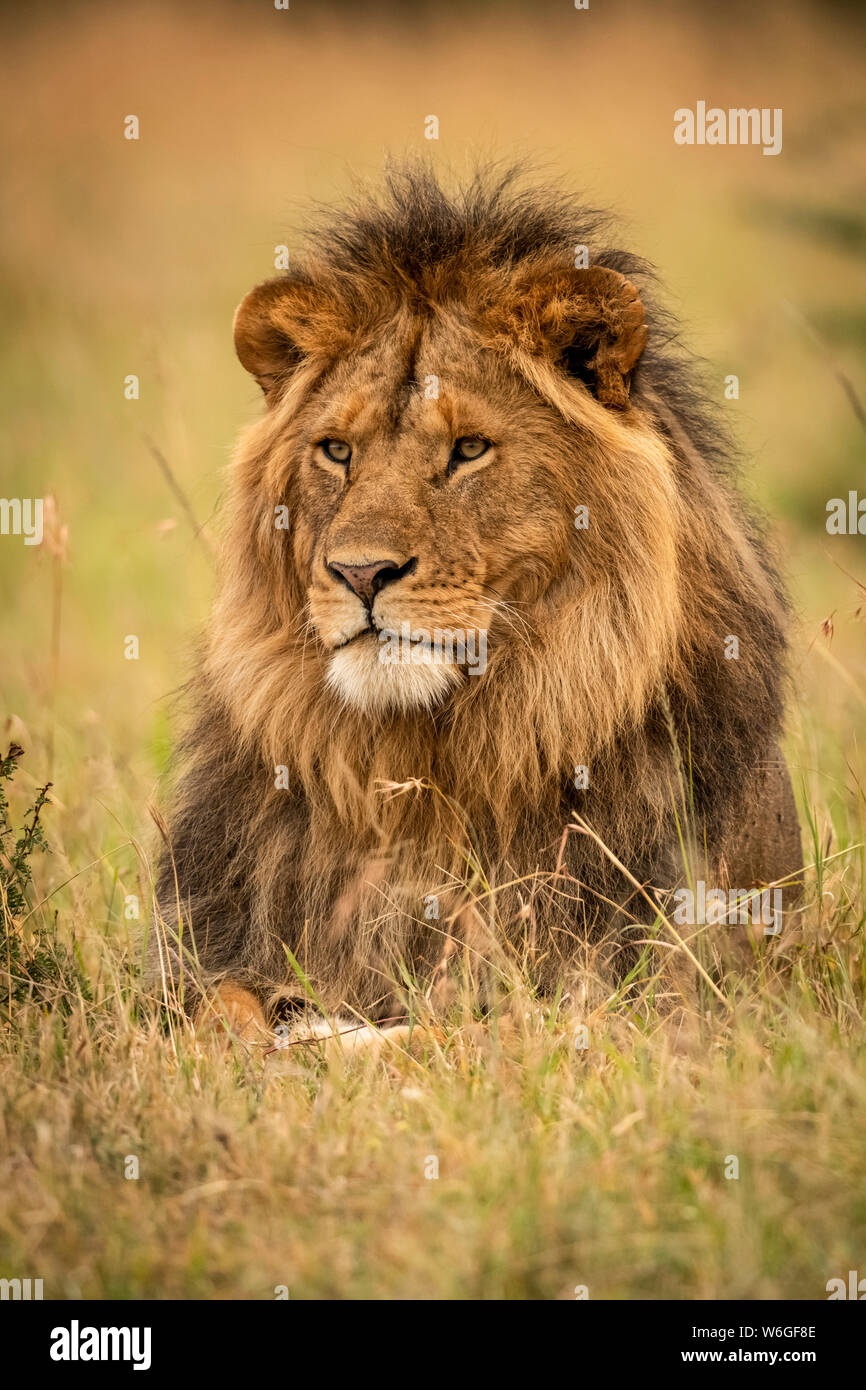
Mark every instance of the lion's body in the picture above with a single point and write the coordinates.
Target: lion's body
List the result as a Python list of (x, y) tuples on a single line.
[(377, 820)]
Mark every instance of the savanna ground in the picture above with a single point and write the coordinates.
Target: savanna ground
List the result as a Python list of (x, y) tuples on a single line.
[(556, 1167)]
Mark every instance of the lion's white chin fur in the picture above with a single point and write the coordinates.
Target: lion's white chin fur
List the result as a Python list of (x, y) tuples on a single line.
[(359, 675)]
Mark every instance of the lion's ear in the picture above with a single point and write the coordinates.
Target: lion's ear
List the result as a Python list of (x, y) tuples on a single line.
[(281, 322), (590, 322), (609, 333), (262, 342)]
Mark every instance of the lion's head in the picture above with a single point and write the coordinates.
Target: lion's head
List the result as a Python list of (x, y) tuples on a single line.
[(433, 480), (448, 450)]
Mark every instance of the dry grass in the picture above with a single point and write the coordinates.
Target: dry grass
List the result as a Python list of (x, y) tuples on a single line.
[(557, 1167)]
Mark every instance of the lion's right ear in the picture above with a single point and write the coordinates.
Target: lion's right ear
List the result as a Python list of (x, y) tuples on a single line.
[(280, 323), (264, 332)]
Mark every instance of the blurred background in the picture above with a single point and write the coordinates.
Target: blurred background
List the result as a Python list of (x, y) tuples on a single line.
[(124, 257)]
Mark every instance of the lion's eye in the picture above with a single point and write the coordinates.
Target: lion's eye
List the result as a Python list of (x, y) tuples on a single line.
[(336, 450), (467, 449)]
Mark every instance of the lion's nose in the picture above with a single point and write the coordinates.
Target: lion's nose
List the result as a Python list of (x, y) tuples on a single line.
[(367, 580)]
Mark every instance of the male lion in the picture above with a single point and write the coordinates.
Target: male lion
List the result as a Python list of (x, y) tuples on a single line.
[(484, 568)]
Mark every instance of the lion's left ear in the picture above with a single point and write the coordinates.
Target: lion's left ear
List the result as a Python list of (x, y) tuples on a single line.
[(590, 322), (610, 333)]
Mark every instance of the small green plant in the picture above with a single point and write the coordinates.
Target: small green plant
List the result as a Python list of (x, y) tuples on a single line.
[(15, 871), (33, 965)]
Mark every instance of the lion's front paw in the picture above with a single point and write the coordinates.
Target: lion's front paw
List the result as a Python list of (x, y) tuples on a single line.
[(234, 1012), (349, 1035)]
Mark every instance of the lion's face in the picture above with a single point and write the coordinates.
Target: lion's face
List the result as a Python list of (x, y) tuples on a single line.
[(429, 514), (423, 455)]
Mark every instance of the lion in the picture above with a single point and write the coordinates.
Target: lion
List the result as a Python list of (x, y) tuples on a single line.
[(495, 631)]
